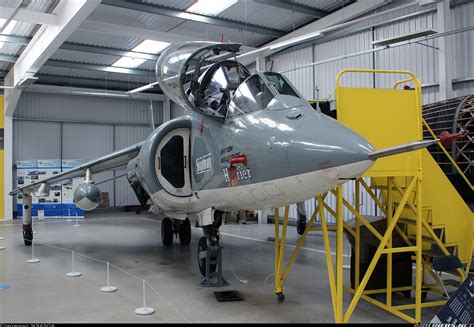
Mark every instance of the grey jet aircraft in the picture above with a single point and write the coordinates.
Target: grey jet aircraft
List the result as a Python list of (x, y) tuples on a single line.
[(247, 142)]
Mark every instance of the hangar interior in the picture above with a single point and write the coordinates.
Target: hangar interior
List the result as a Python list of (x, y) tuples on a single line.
[(78, 81)]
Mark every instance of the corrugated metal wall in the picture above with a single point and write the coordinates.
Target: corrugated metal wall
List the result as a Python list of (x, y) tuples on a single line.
[(420, 59), (53, 126)]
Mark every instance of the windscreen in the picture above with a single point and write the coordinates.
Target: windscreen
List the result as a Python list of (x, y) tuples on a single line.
[(280, 84), (252, 95)]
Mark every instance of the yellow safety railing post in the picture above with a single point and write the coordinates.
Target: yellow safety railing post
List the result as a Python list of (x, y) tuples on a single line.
[(327, 251), (357, 238), (339, 253), (281, 252), (419, 251), (389, 242), (277, 251)]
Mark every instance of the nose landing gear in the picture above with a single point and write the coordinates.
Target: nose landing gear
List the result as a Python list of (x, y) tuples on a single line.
[(210, 254), (180, 228)]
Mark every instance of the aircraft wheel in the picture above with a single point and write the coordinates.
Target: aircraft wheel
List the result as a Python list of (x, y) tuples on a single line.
[(300, 227), (202, 247), (281, 297), (185, 232), (27, 238), (167, 232)]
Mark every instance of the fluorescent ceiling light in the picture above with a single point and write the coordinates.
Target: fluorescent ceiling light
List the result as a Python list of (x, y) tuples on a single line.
[(294, 41), (210, 7), (8, 29), (151, 46), (143, 88), (127, 62), (401, 38), (148, 46)]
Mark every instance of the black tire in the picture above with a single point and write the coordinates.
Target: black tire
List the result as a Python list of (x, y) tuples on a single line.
[(202, 246), (300, 227), (167, 232), (185, 232), (27, 238), (281, 297)]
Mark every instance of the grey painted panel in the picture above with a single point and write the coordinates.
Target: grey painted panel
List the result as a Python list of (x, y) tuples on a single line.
[(175, 110), (36, 140)]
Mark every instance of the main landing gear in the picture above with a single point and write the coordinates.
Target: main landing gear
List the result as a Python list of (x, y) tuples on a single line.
[(180, 228), (210, 254)]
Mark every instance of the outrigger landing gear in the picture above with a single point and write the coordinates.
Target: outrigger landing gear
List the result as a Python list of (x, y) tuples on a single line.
[(27, 220), (210, 255), (180, 228), (301, 222)]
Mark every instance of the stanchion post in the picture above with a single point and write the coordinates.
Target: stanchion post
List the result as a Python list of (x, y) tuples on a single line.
[(108, 288), (33, 259), (73, 273), (144, 310)]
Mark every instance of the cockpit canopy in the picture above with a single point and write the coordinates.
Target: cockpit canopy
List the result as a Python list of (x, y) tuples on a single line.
[(199, 76), (182, 68)]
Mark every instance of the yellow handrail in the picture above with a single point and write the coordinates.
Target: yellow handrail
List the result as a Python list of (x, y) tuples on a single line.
[(434, 137), (448, 155), (403, 81)]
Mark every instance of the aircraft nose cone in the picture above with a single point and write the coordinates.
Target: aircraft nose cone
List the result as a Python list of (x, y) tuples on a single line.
[(321, 142)]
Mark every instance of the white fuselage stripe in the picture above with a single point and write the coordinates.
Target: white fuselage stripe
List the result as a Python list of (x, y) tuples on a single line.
[(263, 195)]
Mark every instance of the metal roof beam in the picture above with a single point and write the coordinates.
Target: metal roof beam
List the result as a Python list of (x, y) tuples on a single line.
[(7, 57), (14, 39), (29, 16), (108, 51), (291, 5), (49, 38), (84, 48), (94, 92), (166, 11), (102, 68), (62, 80)]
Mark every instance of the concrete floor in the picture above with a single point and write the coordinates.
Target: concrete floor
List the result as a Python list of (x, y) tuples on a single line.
[(42, 293)]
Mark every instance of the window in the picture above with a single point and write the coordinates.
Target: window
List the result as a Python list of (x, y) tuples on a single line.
[(280, 84), (252, 95)]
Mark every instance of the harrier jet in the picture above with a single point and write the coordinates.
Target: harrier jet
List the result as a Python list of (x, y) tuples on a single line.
[(247, 142)]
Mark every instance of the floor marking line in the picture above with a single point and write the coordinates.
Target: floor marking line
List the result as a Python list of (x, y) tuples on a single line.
[(57, 222)]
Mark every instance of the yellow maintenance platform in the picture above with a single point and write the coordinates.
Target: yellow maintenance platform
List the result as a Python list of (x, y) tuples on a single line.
[(417, 200)]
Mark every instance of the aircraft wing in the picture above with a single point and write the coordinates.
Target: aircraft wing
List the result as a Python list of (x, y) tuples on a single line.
[(112, 160)]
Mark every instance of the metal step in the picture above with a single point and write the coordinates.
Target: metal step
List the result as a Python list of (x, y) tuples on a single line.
[(430, 240), (436, 252), (408, 221), (452, 282)]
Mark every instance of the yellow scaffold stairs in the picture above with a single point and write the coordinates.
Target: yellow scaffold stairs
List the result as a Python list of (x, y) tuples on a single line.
[(420, 205)]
